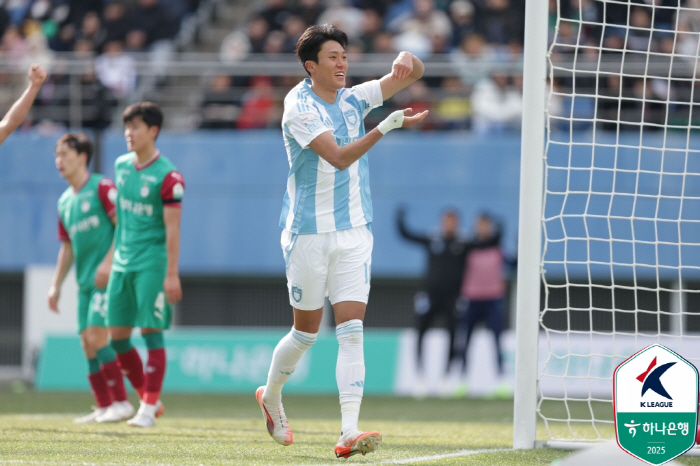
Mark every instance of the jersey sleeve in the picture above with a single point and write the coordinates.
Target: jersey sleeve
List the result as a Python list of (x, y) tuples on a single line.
[(173, 189), (304, 124), (62, 232), (107, 192), (369, 95)]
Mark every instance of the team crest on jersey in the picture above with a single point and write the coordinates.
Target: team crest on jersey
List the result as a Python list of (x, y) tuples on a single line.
[(351, 116), (296, 292), (145, 190), (85, 206)]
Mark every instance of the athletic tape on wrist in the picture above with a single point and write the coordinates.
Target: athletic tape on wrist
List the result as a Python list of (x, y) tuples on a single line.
[(393, 121)]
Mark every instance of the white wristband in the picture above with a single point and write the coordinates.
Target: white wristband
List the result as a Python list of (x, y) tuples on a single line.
[(393, 121)]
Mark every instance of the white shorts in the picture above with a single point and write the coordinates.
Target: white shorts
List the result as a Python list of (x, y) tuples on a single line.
[(337, 264)]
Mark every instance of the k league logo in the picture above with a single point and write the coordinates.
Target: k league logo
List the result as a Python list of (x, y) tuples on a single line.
[(652, 381), (655, 396)]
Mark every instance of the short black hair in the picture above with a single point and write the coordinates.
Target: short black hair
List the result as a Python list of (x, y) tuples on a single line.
[(310, 43), (79, 142), (150, 113)]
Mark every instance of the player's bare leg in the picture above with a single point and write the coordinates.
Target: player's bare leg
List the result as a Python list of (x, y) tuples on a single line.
[(285, 358), (350, 376)]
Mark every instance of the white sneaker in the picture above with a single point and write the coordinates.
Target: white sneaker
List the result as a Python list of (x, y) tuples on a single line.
[(145, 417), (276, 420), (97, 412), (117, 411)]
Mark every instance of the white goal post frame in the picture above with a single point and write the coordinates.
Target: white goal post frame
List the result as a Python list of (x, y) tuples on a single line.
[(530, 224), (535, 145)]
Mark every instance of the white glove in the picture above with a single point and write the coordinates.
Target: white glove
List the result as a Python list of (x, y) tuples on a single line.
[(393, 121)]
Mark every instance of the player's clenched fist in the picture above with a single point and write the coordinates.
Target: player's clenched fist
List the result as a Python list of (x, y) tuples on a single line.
[(37, 75), (402, 66)]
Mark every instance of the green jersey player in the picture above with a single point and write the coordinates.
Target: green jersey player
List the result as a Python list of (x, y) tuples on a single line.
[(144, 281), (86, 228)]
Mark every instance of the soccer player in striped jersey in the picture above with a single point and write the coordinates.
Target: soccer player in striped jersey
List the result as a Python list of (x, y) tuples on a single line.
[(144, 280), (16, 114), (86, 228), (326, 219)]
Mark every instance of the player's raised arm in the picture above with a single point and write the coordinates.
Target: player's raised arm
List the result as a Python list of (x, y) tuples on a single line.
[(342, 157), (406, 69), (15, 116)]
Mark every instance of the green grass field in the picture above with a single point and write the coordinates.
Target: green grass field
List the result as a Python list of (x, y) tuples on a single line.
[(37, 428)]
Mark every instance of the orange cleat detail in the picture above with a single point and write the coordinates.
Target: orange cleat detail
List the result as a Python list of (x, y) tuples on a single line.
[(361, 442)]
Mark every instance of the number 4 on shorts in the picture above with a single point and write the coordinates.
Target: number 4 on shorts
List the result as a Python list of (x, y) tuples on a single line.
[(159, 305)]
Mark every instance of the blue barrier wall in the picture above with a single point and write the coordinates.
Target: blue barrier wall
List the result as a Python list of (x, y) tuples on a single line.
[(235, 183)]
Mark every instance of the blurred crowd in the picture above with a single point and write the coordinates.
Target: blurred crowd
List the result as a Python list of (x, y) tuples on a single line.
[(482, 40), (462, 29), (105, 34), (474, 32)]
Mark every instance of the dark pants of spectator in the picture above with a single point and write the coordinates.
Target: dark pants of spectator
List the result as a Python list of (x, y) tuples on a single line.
[(438, 303), (491, 313)]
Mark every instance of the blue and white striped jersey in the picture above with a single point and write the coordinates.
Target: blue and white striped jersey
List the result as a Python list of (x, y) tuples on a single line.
[(319, 197)]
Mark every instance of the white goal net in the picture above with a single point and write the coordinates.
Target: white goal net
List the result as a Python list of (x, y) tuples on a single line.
[(620, 261)]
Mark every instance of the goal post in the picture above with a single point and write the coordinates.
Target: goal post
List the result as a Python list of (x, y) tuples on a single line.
[(530, 224), (609, 217)]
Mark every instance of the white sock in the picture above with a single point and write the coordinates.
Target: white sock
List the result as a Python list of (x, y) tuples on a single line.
[(148, 409), (350, 372), (285, 358)]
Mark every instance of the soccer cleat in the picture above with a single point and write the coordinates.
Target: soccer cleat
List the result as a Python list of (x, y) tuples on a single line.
[(160, 408), (145, 417), (277, 427), (359, 442), (96, 412), (117, 411)]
